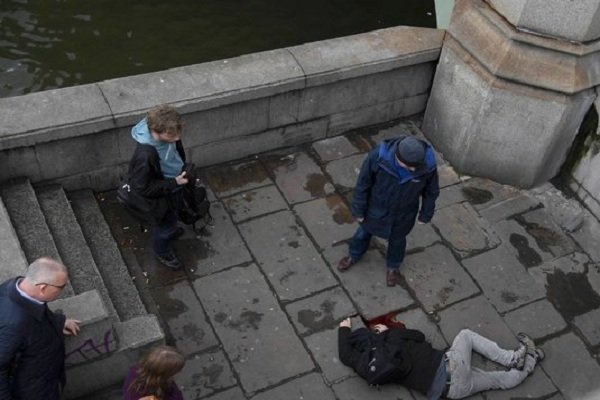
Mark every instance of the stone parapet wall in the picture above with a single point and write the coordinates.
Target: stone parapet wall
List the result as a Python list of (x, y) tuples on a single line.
[(79, 137)]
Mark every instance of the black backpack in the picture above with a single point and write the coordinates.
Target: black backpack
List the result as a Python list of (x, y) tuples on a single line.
[(382, 362), (192, 205)]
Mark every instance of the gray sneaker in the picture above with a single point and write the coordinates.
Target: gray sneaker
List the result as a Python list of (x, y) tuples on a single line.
[(526, 341)]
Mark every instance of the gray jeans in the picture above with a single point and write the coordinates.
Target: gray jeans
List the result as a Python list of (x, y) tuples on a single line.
[(467, 380)]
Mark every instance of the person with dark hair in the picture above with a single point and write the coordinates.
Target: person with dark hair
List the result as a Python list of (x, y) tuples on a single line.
[(152, 378), (32, 337), (157, 171), (396, 355), (398, 181)]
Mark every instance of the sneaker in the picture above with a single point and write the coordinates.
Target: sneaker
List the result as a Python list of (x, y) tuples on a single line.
[(177, 234), (169, 260), (532, 359), (518, 360), (526, 341), (392, 278), (345, 263)]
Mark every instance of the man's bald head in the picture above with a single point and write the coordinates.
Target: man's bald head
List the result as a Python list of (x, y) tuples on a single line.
[(45, 270)]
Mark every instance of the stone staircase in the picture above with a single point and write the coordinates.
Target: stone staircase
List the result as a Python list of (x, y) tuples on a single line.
[(116, 327)]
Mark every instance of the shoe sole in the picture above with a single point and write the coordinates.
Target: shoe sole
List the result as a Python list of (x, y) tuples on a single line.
[(168, 265)]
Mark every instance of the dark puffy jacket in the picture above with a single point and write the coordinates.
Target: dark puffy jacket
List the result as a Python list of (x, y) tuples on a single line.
[(388, 196), (416, 358), (32, 351), (150, 188)]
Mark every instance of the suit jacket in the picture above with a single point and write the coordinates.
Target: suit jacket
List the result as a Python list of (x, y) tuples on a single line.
[(32, 351)]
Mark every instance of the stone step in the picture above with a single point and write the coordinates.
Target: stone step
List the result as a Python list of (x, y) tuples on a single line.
[(30, 224), (12, 260), (136, 337), (105, 251), (72, 247)]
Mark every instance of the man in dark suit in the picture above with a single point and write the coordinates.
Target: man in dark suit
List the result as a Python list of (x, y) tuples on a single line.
[(32, 350)]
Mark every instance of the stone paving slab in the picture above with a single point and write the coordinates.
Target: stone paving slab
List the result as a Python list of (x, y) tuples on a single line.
[(538, 320), (548, 235), (344, 172), (588, 236), (421, 237), (234, 393), (589, 326), (204, 374), (509, 207), (320, 311), (483, 193), (187, 325), (307, 387), (324, 348), (218, 248), (328, 220), (479, 316), (447, 176), (417, 319), (230, 179), (466, 232), (254, 330), (449, 196), (355, 388), (436, 278), (571, 368), (298, 176), (334, 148), (290, 261), (255, 202), (504, 281), (522, 244), (365, 284)]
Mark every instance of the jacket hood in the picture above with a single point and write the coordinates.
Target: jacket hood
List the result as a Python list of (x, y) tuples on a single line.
[(141, 134), (387, 155)]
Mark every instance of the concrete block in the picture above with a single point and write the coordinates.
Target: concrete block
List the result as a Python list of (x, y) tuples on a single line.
[(19, 162), (204, 86), (292, 265), (283, 109), (365, 54), (308, 131), (101, 179), (578, 22), (97, 338), (52, 115), (78, 154), (12, 258)]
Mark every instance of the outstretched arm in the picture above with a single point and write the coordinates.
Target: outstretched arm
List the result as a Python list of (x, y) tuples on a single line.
[(348, 354)]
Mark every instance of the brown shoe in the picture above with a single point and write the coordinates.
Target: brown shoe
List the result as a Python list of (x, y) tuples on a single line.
[(345, 263), (392, 277)]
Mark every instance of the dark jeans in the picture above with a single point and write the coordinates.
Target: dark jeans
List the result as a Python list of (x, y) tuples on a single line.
[(161, 234), (395, 250)]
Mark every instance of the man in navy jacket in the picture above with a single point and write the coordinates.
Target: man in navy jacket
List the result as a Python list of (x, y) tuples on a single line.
[(32, 351), (398, 181)]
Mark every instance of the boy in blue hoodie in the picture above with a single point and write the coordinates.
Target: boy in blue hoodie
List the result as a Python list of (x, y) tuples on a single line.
[(397, 182), (156, 171)]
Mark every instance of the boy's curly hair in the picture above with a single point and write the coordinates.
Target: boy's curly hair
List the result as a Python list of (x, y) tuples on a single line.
[(164, 119)]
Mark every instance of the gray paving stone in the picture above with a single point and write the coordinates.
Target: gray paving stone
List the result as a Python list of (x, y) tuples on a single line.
[(307, 387), (356, 388), (571, 367), (589, 325), (522, 244), (255, 202), (483, 193), (548, 235), (504, 281), (286, 255), (447, 176), (479, 316), (365, 283), (537, 319), (421, 237), (436, 278), (466, 232), (536, 386), (449, 196), (298, 177), (334, 148), (217, 248), (320, 311), (235, 393), (324, 348), (254, 331), (231, 179), (344, 172), (402, 128), (328, 220), (204, 374), (588, 236), (509, 207), (417, 319), (184, 317)]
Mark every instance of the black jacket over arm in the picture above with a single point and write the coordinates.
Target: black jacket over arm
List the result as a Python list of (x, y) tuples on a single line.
[(423, 359)]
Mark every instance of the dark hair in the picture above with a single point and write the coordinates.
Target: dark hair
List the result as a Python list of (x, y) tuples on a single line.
[(164, 119), (156, 370)]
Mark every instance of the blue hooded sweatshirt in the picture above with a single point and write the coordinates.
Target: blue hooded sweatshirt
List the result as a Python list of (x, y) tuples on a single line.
[(171, 163)]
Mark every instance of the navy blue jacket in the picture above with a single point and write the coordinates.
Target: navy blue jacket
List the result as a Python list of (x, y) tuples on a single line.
[(389, 197), (32, 351)]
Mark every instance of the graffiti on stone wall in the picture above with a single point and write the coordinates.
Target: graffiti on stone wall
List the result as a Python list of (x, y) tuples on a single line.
[(91, 348)]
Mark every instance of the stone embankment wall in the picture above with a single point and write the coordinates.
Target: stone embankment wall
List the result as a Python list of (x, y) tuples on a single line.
[(79, 136)]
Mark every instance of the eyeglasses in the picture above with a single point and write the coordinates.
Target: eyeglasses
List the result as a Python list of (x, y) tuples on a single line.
[(61, 287)]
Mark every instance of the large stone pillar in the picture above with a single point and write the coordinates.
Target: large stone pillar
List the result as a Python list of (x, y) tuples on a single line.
[(514, 80)]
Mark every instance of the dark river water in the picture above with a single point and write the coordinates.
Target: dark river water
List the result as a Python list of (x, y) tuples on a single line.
[(46, 44)]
